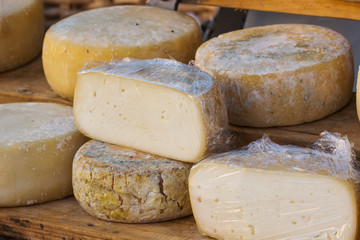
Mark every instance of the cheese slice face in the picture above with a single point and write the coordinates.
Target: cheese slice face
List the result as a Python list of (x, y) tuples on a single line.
[(114, 33), (21, 32), (274, 195), (280, 75), (157, 106), (124, 185), (38, 142)]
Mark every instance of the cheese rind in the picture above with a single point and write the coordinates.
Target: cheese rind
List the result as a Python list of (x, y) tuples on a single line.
[(280, 74), (21, 32), (157, 106), (114, 33), (38, 142), (123, 185), (279, 192)]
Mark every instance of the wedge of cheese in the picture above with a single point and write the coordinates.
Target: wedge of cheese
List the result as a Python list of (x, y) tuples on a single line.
[(114, 33), (157, 106), (38, 142), (267, 191), (280, 75), (21, 32), (123, 185)]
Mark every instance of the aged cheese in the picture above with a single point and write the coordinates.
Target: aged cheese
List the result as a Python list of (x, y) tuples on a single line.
[(157, 106), (123, 185), (38, 142), (280, 74), (21, 32), (269, 191), (114, 33)]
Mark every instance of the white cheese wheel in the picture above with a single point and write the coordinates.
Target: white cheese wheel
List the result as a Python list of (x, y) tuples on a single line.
[(123, 185), (280, 74), (21, 32), (38, 142), (114, 33), (160, 106), (267, 191)]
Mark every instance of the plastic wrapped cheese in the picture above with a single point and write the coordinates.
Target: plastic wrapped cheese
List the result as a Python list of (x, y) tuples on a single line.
[(124, 185), (157, 106), (21, 32), (280, 75), (114, 33), (38, 142), (268, 191)]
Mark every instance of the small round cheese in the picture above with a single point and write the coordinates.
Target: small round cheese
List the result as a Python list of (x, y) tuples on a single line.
[(38, 142), (123, 185), (21, 32), (115, 33), (280, 74)]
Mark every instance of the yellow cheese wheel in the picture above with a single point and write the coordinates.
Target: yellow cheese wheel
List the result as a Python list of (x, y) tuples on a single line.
[(114, 33), (280, 74), (21, 32)]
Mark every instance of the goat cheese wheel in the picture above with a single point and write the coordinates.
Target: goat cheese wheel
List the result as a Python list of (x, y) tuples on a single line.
[(21, 32), (38, 142), (114, 33), (280, 75), (267, 191), (160, 106), (123, 185)]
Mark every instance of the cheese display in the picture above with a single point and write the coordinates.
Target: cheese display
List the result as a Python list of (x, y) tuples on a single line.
[(268, 191), (280, 75), (123, 185), (21, 32), (159, 106), (114, 33), (38, 142)]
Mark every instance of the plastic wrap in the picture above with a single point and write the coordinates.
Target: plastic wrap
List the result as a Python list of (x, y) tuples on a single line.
[(269, 191), (157, 106), (280, 75)]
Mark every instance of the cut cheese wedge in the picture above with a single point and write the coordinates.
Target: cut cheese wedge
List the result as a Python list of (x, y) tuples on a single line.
[(114, 33), (280, 75), (123, 185), (267, 191), (38, 142), (21, 32), (157, 106)]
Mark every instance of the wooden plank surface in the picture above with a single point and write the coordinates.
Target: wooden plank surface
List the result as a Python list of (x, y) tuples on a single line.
[(323, 8), (64, 219)]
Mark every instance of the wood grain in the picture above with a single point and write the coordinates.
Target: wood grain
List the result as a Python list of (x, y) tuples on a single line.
[(323, 8), (64, 219)]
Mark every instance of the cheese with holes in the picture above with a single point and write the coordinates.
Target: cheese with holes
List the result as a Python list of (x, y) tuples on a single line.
[(38, 142), (157, 106), (21, 32), (123, 185), (267, 191), (280, 74), (114, 33)]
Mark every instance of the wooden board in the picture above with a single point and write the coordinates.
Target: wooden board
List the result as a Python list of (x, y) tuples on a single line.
[(322, 8)]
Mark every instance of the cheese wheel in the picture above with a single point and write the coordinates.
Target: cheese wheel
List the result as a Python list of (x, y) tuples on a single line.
[(21, 32), (38, 142), (114, 33), (123, 185), (160, 106), (267, 191), (280, 74)]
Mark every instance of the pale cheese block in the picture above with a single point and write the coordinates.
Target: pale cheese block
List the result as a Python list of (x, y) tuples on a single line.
[(358, 94), (124, 185), (267, 191), (160, 106), (114, 33), (21, 32), (280, 75), (38, 142)]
